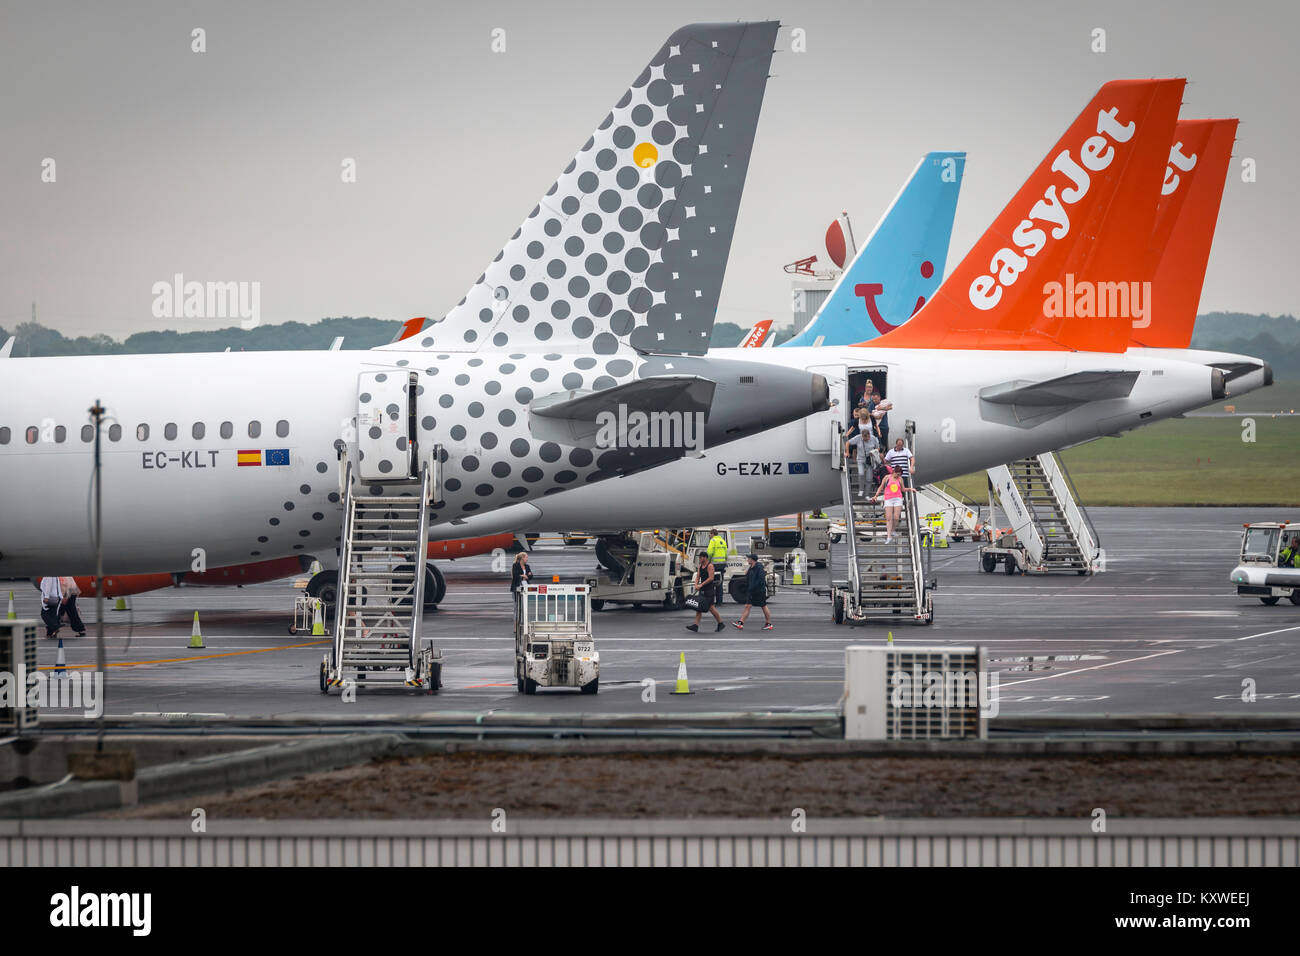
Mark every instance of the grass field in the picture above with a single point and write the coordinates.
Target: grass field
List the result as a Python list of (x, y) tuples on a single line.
[(1190, 461)]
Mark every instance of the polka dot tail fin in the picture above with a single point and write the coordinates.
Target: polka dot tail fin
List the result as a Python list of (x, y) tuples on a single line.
[(627, 249)]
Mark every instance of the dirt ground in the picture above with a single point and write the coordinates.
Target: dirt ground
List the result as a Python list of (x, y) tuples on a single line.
[(466, 785)]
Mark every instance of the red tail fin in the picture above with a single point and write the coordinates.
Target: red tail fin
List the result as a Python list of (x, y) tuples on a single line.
[(1084, 216), (755, 337), (1184, 231)]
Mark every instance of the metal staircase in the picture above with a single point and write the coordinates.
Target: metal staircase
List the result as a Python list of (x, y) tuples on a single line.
[(885, 579), (381, 589), (1043, 510)]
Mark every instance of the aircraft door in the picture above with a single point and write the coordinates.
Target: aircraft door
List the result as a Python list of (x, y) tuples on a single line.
[(819, 425), (385, 416)]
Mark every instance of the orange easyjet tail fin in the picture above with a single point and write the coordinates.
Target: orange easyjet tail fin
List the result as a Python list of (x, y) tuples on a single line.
[(1185, 219), (1084, 218)]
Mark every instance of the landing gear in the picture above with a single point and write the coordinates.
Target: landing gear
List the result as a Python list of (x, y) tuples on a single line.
[(435, 585), (325, 586)]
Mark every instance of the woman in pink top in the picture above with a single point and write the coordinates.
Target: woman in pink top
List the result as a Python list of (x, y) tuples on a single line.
[(893, 489)]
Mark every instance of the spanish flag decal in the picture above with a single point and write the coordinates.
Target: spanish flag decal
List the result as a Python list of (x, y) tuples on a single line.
[(253, 457)]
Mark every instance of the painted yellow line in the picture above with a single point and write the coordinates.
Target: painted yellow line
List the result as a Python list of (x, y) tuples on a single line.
[(186, 660)]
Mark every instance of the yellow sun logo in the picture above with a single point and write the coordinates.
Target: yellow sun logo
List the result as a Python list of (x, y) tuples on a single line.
[(645, 155)]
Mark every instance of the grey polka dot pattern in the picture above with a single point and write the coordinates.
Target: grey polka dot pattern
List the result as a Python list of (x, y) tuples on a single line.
[(658, 186), (621, 258)]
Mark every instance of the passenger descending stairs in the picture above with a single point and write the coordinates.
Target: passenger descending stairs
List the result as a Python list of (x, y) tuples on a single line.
[(381, 590), (1045, 515), (885, 581)]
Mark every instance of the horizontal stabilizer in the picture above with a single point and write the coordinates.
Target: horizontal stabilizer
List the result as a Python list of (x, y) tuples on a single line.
[(1075, 389), (665, 393), (606, 418)]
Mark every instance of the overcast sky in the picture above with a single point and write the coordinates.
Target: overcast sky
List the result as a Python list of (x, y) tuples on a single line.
[(225, 165)]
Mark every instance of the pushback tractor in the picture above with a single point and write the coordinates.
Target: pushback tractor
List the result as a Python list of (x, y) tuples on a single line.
[(554, 646)]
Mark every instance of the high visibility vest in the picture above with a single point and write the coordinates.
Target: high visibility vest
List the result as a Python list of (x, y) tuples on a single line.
[(717, 548)]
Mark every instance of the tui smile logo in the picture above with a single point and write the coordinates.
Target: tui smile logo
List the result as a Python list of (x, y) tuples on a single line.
[(867, 291)]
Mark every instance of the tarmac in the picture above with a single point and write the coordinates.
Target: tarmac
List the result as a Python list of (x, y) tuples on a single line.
[(1160, 632)]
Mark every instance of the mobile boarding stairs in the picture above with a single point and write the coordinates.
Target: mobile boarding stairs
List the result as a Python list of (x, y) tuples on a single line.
[(1049, 530), (885, 581), (384, 545)]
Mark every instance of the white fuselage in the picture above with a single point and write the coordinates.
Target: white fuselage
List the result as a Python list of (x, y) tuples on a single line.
[(170, 502), (936, 389)]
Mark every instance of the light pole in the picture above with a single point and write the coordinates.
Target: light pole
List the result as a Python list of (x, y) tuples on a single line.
[(97, 416)]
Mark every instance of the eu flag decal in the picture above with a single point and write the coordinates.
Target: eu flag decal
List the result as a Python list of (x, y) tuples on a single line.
[(795, 467), (280, 456)]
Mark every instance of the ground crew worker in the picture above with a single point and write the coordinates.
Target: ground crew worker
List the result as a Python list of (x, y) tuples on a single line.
[(1290, 554), (717, 551)]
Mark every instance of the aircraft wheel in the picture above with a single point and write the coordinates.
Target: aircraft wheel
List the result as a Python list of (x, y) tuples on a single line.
[(325, 586), (1270, 601), (435, 585)]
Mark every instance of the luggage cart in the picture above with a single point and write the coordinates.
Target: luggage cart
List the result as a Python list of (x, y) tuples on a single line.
[(305, 611)]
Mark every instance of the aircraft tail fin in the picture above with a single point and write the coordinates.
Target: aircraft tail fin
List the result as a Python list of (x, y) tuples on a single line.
[(1082, 221), (1184, 231), (900, 265), (628, 248), (758, 336)]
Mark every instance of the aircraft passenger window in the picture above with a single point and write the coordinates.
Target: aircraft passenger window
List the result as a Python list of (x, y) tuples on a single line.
[(282, 428), (114, 432), (60, 434), (32, 434), (227, 429), (141, 432), (254, 429), (197, 430), (169, 431), (87, 432), (4, 436)]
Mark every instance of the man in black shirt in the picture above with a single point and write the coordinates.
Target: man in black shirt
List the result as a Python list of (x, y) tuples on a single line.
[(756, 578)]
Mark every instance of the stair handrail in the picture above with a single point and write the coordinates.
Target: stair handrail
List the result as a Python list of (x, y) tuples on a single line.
[(1094, 538), (913, 527), (421, 556), (840, 461), (345, 559)]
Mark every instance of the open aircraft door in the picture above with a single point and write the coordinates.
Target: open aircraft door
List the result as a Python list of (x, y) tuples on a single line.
[(385, 423), (819, 425)]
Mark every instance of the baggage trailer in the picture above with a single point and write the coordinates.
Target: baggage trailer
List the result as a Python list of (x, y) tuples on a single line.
[(554, 646), (813, 537), (1269, 568)]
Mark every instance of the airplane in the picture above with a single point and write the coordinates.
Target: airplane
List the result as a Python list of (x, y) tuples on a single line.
[(987, 375), (602, 300), (1190, 195)]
